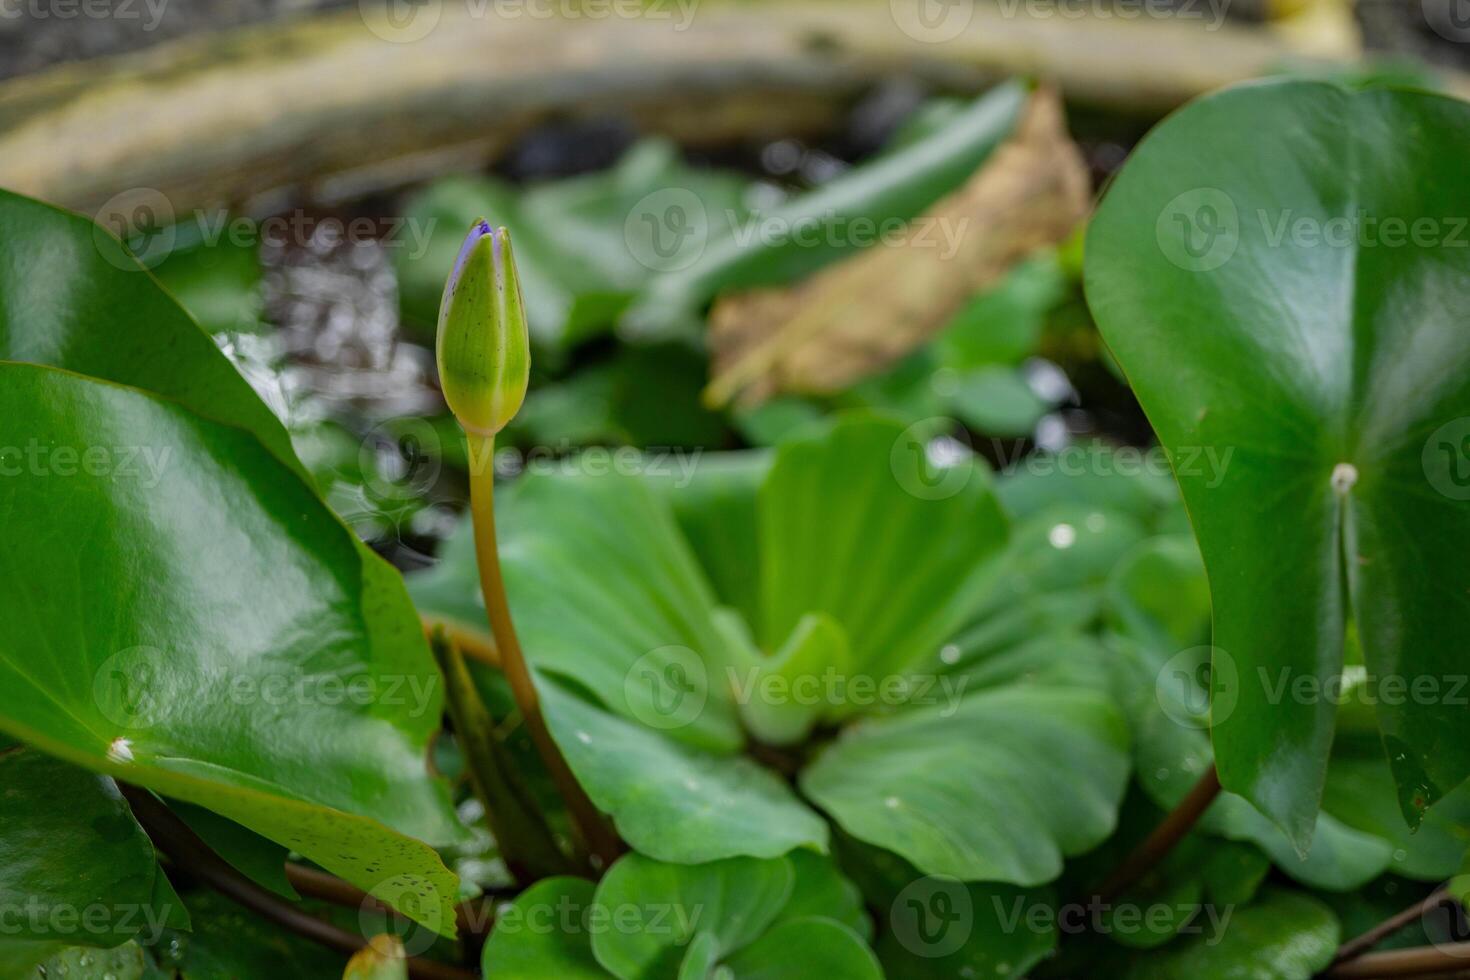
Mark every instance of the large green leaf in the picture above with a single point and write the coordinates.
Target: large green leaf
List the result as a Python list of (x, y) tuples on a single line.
[(222, 642), (545, 933), (607, 594), (734, 901), (1158, 604), (1028, 768), (77, 869), (857, 523), (937, 928), (72, 298), (799, 948), (1299, 303), (675, 801), (1281, 936), (714, 501)]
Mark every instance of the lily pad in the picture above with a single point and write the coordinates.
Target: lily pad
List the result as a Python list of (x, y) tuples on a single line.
[(1299, 304), (212, 647), (77, 870)]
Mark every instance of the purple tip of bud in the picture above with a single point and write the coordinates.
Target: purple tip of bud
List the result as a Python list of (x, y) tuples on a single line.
[(478, 231)]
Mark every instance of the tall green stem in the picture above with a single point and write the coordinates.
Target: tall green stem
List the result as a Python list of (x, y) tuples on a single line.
[(595, 833)]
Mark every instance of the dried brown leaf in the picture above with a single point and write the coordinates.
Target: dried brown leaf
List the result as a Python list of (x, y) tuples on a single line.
[(857, 316)]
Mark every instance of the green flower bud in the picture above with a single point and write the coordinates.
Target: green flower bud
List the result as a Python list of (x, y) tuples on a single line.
[(484, 352)]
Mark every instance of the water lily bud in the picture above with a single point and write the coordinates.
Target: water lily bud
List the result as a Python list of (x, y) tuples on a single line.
[(484, 351)]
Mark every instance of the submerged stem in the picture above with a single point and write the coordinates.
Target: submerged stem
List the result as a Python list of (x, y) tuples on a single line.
[(1421, 961), (1356, 947), (185, 850), (1170, 831), (526, 843), (597, 836)]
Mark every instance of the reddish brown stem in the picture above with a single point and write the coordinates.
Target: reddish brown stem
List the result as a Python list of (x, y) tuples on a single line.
[(1147, 855), (188, 852), (1354, 948), (474, 918), (1421, 961)]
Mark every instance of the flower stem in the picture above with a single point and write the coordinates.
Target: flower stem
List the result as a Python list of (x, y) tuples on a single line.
[(596, 835)]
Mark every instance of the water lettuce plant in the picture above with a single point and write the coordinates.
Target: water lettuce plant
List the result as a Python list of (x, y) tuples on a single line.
[(852, 704)]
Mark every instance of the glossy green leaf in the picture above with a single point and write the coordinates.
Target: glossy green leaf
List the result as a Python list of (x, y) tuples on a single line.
[(545, 932), (70, 294), (999, 786), (1297, 304), (911, 541), (799, 948), (227, 645), (937, 928), (666, 905), (674, 801), (1159, 597), (820, 889), (73, 299), (1281, 936), (77, 869)]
